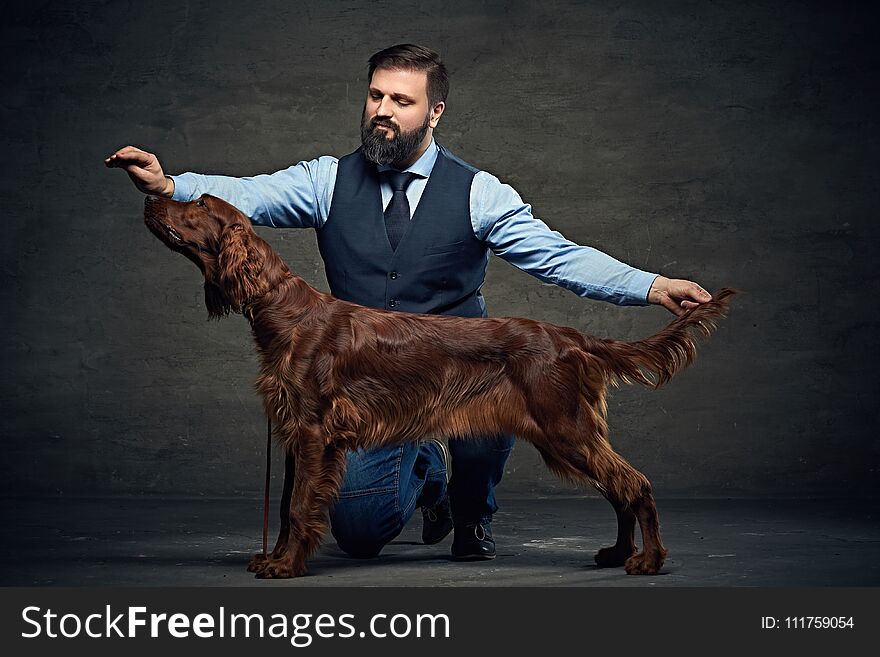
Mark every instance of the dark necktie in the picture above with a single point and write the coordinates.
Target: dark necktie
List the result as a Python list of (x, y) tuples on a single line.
[(397, 215)]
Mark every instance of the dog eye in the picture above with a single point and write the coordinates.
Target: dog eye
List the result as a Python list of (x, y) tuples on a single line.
[(200, 203)]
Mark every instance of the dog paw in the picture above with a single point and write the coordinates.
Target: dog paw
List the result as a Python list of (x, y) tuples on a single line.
[(614, 556), (645, 563), (256, 562), (272, 568)]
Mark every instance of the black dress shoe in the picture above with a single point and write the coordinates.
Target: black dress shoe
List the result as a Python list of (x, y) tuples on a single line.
[(436, 522), (473, 542)]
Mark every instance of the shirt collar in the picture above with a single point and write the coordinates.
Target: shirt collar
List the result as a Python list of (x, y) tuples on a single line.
[(421, 167)]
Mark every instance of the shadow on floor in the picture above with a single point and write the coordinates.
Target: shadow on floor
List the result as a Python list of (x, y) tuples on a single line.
[(541, 542)]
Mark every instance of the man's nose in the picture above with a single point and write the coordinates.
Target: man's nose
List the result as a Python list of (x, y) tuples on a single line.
[(385, 107)]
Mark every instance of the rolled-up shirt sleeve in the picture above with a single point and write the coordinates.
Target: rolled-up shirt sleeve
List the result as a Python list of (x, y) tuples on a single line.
[(296, 197), (501, 218)]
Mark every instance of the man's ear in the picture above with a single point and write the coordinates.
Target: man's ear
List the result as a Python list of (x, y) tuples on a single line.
[(436, 112), (238, 267)]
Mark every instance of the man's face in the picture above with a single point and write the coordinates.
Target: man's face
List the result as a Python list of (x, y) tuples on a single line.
[(398, 120)]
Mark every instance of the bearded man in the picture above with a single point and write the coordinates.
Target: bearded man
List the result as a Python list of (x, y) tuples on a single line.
[(405, 225)]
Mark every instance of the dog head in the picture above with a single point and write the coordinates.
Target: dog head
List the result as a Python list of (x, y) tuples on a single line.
[(239, 267)]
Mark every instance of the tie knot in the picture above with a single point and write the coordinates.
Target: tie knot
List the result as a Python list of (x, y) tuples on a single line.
[(399, 180)]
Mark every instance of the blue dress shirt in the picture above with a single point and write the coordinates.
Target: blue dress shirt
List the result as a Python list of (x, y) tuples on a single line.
[(300, 197)]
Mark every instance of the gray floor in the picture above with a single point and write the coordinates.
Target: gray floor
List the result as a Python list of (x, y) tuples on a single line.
[(541, 542)]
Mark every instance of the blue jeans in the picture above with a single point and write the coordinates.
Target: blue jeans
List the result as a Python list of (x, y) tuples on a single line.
[(383, 487)]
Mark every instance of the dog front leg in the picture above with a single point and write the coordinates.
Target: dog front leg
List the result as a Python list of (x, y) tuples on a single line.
[(318, 476), (284, 512)]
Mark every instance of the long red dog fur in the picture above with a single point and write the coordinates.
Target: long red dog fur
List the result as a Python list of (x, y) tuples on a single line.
[(337, 376)]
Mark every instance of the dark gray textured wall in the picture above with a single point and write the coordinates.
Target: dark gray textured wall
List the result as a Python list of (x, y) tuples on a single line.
[(734, 143)]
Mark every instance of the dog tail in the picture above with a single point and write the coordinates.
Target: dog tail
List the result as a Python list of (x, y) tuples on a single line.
[(653, 361)]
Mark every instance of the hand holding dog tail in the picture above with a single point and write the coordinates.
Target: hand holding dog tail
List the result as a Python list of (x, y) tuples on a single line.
[(655, 360)]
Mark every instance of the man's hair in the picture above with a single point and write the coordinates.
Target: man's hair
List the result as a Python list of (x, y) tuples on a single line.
[(415, 58)]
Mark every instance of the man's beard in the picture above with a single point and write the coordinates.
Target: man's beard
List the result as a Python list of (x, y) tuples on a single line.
[(399, 149)]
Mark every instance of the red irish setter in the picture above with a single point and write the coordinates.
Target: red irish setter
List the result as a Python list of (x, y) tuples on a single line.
[(337, 376)]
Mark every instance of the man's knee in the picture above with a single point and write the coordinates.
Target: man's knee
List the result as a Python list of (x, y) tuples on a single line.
[(359, 547), (357, 533)]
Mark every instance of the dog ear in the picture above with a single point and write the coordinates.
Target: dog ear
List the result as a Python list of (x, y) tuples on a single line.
[(238, 266), (216, 301)]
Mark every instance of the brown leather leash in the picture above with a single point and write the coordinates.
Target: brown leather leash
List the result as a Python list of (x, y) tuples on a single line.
[(266, 495)]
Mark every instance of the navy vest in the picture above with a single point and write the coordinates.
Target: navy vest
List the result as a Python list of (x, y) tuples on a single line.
[(439, 265)]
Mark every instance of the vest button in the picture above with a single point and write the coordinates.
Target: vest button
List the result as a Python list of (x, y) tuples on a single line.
[(393, 275), (392, 303)]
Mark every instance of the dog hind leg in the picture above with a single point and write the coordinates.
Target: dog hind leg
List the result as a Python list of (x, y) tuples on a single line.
[(653, 554), (625, 547), (629, 492)]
